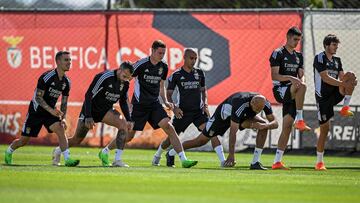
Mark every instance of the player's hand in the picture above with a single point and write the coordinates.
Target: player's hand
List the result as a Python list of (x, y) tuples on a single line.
[(89, 123), (63, 123), (205, 109), (57, 113), (129, 125), (169, 105), (296, 82), (259, 126), (230, 161), (178, 112)]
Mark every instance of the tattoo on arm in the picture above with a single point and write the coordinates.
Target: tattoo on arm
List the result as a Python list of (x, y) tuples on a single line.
[(63, 107), (40, 100)]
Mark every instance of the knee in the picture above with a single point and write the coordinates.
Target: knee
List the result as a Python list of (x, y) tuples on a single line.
[(130, 136), (166, 126), (302, 87), (203, 140), (121, 125), (58, 129), (349, 76)]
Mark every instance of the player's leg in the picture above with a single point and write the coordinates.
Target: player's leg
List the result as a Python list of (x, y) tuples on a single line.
[(349, 78), (325, 113), (288, 121), (159, 119), (114, 118), (214, 126), (298, 94), (260, 141), (168, 128), (320, 147), (139, 116), (180, 126), (75, 140), (200, 123), (55, 126), (196, 142), (20, 142), (31, 128)]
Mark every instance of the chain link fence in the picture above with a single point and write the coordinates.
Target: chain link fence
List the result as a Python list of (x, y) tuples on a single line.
[(202, 4), (233, 49)]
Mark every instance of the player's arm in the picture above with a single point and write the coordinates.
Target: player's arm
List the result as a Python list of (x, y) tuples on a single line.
[(64, 99), (275, 75), (123, 102), (301, 75), (39, 98), (330, 80), (230, 161), (169, 94), (321, 69), (90, 93), (172, 83), (273, 124), (203, 91), (63, 106), (163, 95)]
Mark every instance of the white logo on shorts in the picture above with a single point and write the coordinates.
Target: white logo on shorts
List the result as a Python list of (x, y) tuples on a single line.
[(323, 117)]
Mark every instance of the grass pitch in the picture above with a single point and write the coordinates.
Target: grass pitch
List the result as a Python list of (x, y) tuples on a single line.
[(33, 179)]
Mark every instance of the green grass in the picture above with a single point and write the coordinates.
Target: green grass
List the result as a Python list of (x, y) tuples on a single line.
[(33, 179)]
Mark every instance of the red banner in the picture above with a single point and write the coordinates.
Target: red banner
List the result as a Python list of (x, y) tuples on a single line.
[(233, 50)]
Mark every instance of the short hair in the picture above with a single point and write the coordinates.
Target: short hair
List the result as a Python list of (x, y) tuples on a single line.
[(158, 44), (329, 39), (60, 53), (126, 65), (294, 31), (188, 51)]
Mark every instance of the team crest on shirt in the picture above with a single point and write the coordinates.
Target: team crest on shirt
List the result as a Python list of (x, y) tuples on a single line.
[(14, 55), (161, 70), (63, 86), (297, 60), (196, 76), (121, 87), (211, 133), (28, 129)]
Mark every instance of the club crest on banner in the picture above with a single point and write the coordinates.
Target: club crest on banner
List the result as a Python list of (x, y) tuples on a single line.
[(14, 56)]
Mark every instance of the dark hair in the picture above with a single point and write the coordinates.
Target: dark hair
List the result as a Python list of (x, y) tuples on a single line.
[(157, 44), (127, 65), (294, 31), (59, 54), (330, 38)]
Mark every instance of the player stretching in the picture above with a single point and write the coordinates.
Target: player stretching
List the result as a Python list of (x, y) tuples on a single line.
[(331, 87), (289, 89), (42, 110)]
